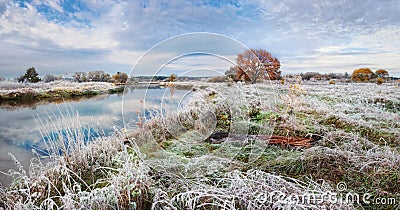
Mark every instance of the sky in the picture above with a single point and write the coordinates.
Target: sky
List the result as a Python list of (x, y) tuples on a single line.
[(160, 37)]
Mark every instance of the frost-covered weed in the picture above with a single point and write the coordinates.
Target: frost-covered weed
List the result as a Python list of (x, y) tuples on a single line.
[(10, 86), (253, 189), (166, 163), (80, 172)]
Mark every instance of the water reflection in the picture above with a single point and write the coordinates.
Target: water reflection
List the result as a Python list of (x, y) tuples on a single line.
[(19, 132), (32, 104)]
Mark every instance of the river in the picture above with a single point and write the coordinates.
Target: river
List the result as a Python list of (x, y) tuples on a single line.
[(20, 131)]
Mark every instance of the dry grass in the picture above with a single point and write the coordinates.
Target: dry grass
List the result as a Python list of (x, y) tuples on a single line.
[(168, 163), (80, 172)]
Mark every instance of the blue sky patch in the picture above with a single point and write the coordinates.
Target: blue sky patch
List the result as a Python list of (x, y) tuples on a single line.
[(114, 34)]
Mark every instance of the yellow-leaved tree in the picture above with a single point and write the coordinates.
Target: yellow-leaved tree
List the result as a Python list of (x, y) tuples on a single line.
[(362, 75)]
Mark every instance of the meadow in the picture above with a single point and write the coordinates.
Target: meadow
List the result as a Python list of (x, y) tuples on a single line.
[(273, 146)]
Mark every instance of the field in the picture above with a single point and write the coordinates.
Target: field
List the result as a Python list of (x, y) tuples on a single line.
[(273, 146)]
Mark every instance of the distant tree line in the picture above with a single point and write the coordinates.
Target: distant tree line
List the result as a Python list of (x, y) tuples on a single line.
[(160, 78), (327, 76), (32, 76), (93, 76), (252, 65), (100, 76), (358, 75)]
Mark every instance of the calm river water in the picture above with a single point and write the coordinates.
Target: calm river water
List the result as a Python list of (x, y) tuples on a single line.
[(20, 133)]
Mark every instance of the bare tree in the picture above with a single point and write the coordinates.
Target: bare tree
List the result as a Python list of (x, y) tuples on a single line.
[(98, 76), (309, 75), (80, 76), (49, 78)]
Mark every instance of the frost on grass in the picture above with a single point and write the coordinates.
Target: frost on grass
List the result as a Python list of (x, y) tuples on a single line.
[(97, 174), (253, 189), (28, 93), (8, 86), (167, 164)]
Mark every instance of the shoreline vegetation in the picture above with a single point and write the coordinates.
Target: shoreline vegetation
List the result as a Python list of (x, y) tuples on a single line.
[(17, 94), (54, 90), (169, 162)]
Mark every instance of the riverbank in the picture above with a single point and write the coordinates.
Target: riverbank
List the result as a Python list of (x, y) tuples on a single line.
[(17, 95), (300, 141), (12, 92)]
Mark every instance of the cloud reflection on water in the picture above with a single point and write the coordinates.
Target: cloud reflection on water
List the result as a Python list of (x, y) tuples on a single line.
[(19, 131)]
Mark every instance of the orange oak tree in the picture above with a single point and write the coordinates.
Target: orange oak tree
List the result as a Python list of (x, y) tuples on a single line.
[(254, 64), (382, 73), (362, 75)]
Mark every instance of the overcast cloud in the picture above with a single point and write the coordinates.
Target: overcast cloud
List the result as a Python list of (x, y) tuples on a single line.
[(59, 36)]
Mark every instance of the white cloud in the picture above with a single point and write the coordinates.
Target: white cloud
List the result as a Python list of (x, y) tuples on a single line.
[(115, 33), (53, 4), (204, 64), (18, 23), (379, 49), (124, 56)]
